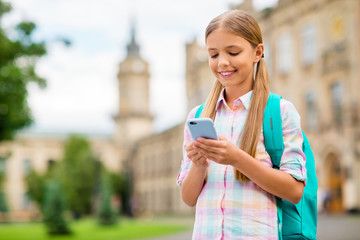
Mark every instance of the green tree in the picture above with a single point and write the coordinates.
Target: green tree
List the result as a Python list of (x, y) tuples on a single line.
[(3, 203), (35, 183), (18, 57), (107, 215), (121, 186), (78, 174), (3, 207), (54, 207), (2, 171)]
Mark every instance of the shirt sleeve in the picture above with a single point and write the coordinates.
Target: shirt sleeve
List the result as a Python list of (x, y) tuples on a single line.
[(293, 158), (186, 162)]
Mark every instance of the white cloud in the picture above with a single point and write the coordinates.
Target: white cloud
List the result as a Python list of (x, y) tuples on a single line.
[(82, 90)]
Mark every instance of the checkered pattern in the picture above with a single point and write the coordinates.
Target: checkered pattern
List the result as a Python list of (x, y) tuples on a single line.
[(227, 208)]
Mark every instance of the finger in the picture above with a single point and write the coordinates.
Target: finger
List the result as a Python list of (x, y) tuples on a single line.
[(203, 148), (202, 160), (195, 155), (190, 147), (213, 157), (222, 138), (208, 154), (199, 159), (192, 153), (209, 142)]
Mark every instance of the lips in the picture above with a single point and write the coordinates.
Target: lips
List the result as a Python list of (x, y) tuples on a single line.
[(227, 74)]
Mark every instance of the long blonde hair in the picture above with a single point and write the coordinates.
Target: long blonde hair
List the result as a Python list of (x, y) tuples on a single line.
[(245, 26)]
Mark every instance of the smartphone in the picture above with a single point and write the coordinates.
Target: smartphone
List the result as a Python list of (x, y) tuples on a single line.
[(202, 127)]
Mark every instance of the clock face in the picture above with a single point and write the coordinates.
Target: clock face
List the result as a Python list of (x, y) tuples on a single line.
[(138, 66)]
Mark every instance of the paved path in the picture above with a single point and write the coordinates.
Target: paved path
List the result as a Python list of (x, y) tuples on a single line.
[(179, 236), (341, 227)]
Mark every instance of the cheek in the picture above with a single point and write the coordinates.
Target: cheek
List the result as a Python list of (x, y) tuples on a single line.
[(245, 65), (212, 65)]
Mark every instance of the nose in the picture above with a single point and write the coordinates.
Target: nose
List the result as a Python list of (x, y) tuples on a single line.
[(223, 60)]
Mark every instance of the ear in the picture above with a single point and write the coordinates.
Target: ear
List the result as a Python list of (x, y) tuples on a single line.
[(259, 50)]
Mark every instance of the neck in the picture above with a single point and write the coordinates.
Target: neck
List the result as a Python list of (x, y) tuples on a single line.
[(233, 93)]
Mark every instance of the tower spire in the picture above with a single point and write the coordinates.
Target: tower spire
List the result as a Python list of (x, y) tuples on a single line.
[(133, 47)]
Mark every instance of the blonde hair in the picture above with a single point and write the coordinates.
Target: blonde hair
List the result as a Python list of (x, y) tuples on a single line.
[(245, 26)]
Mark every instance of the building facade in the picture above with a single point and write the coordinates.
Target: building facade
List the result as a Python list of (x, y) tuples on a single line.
[(155, 164)]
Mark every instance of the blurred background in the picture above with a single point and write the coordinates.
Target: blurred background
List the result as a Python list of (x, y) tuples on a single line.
[(94, 94)]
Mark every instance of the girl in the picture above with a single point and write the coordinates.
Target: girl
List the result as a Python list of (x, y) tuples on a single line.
[(231, 181)]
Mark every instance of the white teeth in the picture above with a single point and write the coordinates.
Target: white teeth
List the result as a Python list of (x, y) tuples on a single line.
[(226, 73)]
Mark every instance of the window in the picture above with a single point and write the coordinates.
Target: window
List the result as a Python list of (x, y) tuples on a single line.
[(308, 44), (336, 97), (51, 164), (27, 166), (285, 53), (25, 201), (311, 110)]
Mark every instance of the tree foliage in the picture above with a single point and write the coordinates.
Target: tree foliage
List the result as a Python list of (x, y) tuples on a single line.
[(78, 173), (35, 183), (121, 187), (54, 207), (2, 172), (18, 57), (3, 202), (107, 215)]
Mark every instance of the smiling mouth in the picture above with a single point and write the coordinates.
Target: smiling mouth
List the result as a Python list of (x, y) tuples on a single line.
[(227, 74)]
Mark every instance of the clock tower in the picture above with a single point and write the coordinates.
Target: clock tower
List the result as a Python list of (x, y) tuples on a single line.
[(133, 120)]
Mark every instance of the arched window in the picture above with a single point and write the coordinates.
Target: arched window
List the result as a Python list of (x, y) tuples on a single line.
[(308, 44), (285, 53), (26, 166), (336, 100), (311, 110)]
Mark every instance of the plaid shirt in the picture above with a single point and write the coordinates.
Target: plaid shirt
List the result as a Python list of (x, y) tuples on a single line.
[(227, 208)]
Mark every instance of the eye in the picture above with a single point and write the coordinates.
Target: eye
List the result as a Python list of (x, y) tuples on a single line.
[(214, 55), (234, 53)]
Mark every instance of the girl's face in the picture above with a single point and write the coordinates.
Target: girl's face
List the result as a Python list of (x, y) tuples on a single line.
[(232, 58)]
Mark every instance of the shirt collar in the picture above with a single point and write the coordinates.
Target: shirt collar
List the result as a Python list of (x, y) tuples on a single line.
[(244, 99)]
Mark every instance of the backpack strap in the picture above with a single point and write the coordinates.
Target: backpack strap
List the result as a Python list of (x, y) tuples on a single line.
[(272, 127), (199, 111), (274, 142)]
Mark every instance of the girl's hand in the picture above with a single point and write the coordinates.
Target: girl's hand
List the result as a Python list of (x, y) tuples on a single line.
[(196, 157), (221, 151)]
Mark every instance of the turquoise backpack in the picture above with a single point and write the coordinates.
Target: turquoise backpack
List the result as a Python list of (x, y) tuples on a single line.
[(295, 221)]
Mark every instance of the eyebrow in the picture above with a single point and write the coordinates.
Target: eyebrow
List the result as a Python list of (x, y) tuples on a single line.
[(231, 46)]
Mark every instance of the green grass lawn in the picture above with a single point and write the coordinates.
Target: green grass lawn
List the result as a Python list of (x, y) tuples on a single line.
[(89, 230)]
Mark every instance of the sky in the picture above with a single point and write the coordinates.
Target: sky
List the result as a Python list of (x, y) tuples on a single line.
[(82, 89)]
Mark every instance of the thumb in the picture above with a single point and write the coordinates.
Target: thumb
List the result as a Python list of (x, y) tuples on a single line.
[(222, 138)]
